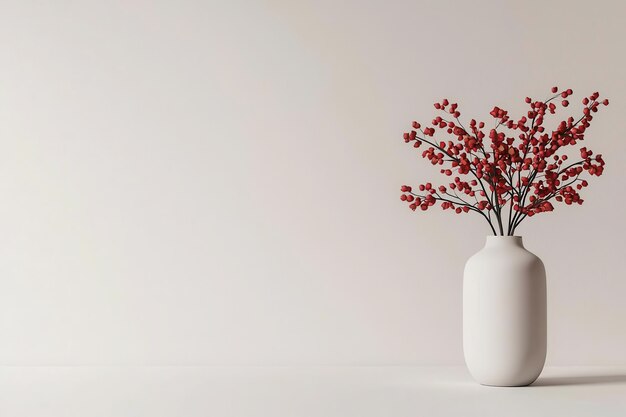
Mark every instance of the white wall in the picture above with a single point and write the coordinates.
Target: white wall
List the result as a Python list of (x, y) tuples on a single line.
[(194, 183)]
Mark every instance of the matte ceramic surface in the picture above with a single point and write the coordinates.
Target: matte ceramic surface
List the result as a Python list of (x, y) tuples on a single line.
[(504, 313)]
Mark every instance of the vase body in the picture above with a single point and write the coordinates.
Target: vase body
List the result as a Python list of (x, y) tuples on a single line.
[(504, 313)]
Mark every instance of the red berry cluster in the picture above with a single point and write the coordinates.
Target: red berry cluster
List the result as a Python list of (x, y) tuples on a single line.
[(516, 167)]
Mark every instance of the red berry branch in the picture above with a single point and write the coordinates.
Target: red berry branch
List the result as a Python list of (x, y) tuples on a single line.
[(514, 170)]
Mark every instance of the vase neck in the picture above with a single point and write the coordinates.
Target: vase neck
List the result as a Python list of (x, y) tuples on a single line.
[(504, 241)]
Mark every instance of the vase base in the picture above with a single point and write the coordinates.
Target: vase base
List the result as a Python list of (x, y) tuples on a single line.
[(511, 385)]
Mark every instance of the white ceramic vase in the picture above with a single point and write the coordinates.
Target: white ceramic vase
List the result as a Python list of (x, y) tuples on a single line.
[(504, 313)]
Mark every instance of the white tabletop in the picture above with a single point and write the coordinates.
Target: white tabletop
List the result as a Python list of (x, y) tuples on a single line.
[(302, 392)]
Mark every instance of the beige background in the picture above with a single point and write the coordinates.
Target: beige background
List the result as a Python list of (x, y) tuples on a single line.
[(218, 183)]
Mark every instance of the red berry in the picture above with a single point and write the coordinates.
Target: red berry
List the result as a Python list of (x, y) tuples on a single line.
[(583, 153)]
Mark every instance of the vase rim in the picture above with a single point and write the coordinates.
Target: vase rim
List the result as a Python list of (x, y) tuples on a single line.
[(499, 241)]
